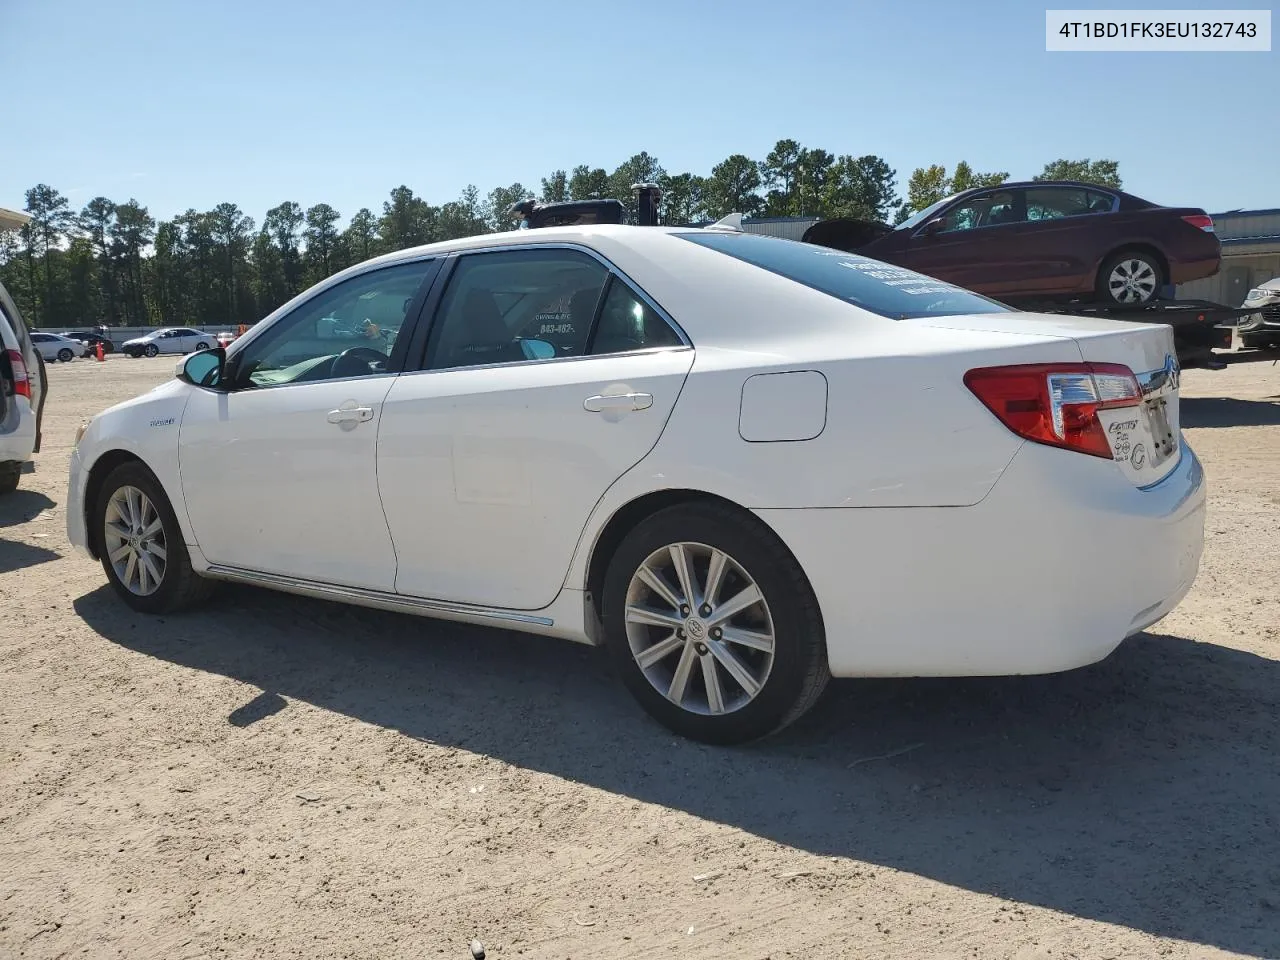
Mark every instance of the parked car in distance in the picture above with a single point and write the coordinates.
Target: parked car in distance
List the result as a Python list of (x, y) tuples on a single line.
[(1261, 329), (741, 463), (23, 388), (91, 340), (54, 346), (1041, 240), (168, 340)]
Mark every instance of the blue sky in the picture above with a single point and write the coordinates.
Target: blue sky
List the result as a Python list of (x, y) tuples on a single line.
[(184, 104)]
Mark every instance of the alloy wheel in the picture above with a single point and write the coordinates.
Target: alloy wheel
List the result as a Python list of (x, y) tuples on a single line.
[(699, 628), (135, 542), (1132, 281)]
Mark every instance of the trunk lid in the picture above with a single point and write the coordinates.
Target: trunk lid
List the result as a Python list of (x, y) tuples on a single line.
[(1145, 439)]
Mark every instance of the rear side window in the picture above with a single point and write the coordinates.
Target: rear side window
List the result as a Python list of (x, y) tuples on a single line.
[(870, 284)]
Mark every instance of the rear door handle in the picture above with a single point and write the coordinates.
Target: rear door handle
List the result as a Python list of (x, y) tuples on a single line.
[(346, 414), (618, 401)]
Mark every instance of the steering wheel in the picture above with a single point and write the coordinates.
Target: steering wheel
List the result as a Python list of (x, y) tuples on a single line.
[(358, 362)]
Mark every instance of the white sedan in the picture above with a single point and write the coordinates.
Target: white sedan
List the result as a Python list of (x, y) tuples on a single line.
[(53, 346), (169, 340), (740, 463)]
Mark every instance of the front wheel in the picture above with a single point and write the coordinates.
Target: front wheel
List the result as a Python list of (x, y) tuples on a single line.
[(141, 546), (152, 350), (1131, 278), (65, 355), (713, 625)]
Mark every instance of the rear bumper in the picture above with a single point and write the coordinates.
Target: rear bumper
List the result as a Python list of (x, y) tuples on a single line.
[(1060, 563), (17, 430)]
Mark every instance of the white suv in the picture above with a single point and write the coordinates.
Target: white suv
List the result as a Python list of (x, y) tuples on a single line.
[(22, 392)]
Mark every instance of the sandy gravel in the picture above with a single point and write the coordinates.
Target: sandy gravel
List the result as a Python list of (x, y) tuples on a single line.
[(276, 777)]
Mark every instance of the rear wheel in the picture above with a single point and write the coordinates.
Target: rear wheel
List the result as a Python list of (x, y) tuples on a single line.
[(10, 471), (201, 346), (713, 625), (1130, 278), (141, 546), (65, 355)]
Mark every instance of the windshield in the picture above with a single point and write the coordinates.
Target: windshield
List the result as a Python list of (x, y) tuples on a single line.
[(916, 219), (870, 284)]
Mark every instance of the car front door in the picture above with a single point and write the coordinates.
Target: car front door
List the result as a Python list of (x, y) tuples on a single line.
[(278, 466), (547, 376), (976, 245)]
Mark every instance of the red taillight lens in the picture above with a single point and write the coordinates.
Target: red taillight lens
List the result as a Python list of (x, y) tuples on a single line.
[(1201, 221), (1056, 404), (21, 382)]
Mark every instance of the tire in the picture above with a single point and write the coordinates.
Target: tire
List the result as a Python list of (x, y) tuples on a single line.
[(151, 350), (788, 681), (65, 355), (1130, 278), (180, 587), (10, 472), (201, 346)]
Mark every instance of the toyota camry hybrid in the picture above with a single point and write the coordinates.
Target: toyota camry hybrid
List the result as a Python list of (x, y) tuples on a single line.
[(742, 464)]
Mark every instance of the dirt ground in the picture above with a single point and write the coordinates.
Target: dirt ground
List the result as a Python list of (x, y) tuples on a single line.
[(277, 777)]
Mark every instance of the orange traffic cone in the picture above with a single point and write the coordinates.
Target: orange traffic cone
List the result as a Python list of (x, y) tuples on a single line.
[(100, 352)]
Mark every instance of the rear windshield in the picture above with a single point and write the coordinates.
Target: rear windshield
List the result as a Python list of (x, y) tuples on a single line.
[(870, 284)]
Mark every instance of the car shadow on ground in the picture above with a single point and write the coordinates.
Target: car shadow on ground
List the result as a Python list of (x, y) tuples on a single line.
[(1132, 792), (1228, 412), (22, 506)]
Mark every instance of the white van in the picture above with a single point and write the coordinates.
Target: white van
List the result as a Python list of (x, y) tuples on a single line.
[(22, 391)]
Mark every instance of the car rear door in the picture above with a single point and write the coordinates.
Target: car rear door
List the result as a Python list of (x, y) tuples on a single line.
[(1063, 238), (492, 456)]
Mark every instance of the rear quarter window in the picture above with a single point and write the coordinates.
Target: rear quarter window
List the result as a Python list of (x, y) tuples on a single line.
[(870, 284)]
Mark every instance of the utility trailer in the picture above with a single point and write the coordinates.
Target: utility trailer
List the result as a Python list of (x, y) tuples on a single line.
[(1198, 325)]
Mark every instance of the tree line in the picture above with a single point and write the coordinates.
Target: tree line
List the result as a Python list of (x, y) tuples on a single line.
[(113, 263)]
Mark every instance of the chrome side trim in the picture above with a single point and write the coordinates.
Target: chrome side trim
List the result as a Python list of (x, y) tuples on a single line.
[(374, 598)]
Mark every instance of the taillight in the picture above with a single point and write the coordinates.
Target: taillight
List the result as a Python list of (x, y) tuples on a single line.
[(21, 383), (1057, 403), (1201, 221)]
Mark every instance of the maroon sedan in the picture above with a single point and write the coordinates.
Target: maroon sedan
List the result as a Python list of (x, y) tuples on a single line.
[(1041, 240)]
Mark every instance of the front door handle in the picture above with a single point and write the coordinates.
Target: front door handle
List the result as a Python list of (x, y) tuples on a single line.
[(345, 414), (618, 401)]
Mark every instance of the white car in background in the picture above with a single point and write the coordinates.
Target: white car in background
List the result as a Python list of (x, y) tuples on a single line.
[(169, 340), (742, 464), (53, 346)]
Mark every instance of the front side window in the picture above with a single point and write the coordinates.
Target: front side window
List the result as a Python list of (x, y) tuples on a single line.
[(870, 284), (514, 305), (987, 210), (1054, 203), (349, 330)]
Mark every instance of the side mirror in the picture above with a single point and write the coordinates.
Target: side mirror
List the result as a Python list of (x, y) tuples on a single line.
[(204, 369), (933, 227)]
